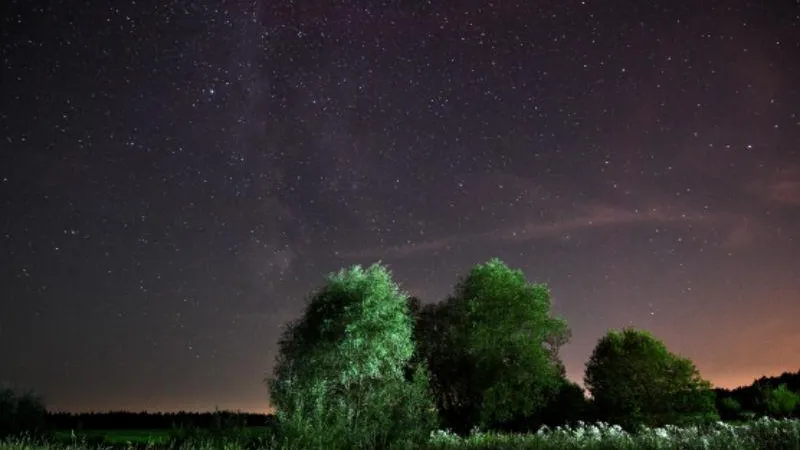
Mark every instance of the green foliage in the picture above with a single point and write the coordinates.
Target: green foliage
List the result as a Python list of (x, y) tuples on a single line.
[(415, 415), (492, 348), (20, 412), (568, 405), (634, 379), (339, 378), (780, 401), (729, 408), (753, 397)]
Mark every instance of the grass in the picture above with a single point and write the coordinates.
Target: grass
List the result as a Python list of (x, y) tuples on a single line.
[(762, 434), (136, 436), (115, 436)]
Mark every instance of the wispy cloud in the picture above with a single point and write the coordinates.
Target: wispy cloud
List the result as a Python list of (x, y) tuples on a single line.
[(783, 187), (747, 231), (785, 191), (592, 216), (741, 233)]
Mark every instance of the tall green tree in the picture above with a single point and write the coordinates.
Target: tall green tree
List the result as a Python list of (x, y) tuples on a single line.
[(633, 379), (492, 348), (339, 380)]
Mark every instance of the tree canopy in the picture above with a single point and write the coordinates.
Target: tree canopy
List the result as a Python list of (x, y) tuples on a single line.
[(492, 347), (340, 368), (634, 379)]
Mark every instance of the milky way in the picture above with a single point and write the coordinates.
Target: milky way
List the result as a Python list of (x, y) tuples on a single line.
[(175, 180)]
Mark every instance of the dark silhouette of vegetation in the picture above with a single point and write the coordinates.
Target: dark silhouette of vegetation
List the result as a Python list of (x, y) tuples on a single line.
[(567, 405), (634, 380), (754, 400), (728, 407), (125, 420), (21, 412)]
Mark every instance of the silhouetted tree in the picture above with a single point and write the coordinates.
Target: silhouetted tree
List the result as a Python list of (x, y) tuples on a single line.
[(752, 398), (20, 412), (728, 407), (492, 348), (634, 379), (566, 406), (339, 377), (415, 307)]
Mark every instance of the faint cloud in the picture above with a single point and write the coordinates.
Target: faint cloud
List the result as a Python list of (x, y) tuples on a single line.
[(740, 235), (743, 231), (785, 191), (748, 232), (592, 216), (783, 187)]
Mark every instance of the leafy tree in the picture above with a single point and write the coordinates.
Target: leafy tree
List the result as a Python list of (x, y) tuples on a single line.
[(339, 378), (20, 412), (634, 379), (492, 348), (780, 401)]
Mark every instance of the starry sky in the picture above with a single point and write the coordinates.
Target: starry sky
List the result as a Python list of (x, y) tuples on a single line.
[(175, 179)]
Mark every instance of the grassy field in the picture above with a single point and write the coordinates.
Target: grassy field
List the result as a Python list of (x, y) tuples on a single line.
[(155, 437), (766, 434), (114, 436), (135, 436)]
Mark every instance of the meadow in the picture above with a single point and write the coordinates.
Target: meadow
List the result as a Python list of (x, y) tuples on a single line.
[(764, 433)]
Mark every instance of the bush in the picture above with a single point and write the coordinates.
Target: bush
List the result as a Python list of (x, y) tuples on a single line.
[(20, 412), (729, 408), (781, 402)]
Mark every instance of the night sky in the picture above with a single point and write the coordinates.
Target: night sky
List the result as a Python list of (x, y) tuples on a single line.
[(175, 179)]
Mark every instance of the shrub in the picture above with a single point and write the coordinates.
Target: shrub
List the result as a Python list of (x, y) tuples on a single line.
[(781, 401), (729, 408), (20, 412)]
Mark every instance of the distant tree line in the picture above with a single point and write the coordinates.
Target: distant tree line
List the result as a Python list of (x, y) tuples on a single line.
[(23, 411), (124, 420), (766, 396)]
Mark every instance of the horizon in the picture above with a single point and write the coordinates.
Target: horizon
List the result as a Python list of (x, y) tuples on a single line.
[(270, 411)]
